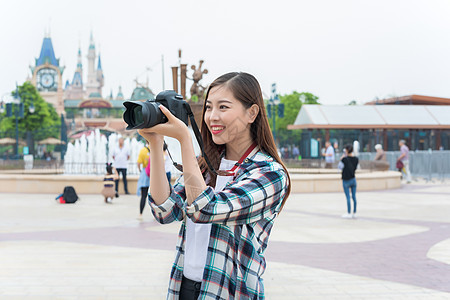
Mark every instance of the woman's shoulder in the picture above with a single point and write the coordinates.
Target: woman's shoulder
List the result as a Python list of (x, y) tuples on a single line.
[(263, 160)]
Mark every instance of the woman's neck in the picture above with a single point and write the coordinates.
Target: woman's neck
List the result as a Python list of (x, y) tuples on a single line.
[(235, 151)]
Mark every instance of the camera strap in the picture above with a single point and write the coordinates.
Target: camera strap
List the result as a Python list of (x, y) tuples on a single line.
[(198, 136)]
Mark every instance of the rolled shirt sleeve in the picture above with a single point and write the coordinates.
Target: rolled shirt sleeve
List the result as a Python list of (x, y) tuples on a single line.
[(173, 209)]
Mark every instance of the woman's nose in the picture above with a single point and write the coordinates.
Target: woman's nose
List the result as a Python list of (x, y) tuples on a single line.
[(214, 115)]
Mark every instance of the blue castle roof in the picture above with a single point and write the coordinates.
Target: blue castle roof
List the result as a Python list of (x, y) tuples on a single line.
[(47, 54), (99, 66), (77, 78)]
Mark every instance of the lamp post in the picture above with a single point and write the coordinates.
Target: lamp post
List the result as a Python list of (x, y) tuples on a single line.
[(274, 103)]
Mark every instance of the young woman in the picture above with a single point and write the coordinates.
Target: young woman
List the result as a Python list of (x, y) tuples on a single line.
[(350, 163), (226, 216)]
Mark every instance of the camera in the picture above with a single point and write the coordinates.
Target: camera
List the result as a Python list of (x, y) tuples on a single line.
[(147, 114)]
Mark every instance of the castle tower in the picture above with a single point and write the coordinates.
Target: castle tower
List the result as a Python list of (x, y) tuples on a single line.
[(47, 76), (93, 85), (100, 78), (120, 94), (79, 63)]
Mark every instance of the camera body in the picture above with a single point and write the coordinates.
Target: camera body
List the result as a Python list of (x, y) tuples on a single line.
[(147, 114)]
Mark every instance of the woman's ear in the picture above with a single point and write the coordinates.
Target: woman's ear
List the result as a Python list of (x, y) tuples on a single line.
[(253, 112)]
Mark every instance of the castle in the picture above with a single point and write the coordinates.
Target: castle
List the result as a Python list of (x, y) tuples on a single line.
[(95, 79), (81, 100)]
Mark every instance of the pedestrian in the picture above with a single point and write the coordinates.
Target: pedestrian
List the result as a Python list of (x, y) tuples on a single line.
[(144, 180), (336, 147), (295, 152), (121, 155), (227, 215), (404, 158), (329, 155), (349, 163), (167, 164), (108, 183)]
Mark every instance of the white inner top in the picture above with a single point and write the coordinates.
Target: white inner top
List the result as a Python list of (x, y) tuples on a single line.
[(197, 235)]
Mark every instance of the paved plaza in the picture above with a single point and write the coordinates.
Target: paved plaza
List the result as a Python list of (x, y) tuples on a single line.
[(397, 248)]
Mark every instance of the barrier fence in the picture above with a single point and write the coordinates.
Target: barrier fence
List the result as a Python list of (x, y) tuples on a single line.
[(427, 164)]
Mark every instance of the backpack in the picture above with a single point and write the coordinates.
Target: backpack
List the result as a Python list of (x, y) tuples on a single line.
[(69, 195)]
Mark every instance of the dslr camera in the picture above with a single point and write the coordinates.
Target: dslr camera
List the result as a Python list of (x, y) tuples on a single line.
[(147, 114)]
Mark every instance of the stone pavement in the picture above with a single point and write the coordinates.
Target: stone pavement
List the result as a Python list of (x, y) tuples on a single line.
[(397, 248)]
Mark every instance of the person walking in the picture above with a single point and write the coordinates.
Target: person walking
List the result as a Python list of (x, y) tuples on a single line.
[(227, 210), (144, 180), (349, 163), (121, 155), (329, 155), (404, 158)]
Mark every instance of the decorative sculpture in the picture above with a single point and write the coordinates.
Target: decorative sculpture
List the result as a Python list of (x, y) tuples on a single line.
[(197, 89)]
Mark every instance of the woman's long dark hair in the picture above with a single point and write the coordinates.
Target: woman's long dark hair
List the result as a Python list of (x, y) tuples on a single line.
[(246, 89)]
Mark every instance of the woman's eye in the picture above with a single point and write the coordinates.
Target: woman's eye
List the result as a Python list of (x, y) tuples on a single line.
[(208, 107), (223, 107)]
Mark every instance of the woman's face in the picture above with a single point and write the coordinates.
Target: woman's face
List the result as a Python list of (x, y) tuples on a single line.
[(227, 119)]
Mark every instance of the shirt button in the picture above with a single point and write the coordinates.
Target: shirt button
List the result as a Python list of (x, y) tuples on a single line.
[(246, 160)]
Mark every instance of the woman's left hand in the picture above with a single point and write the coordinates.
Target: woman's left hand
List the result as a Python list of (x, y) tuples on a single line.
[(174, 127)]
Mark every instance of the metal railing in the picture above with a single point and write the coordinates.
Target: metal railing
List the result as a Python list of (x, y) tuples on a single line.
[(95, 168), (427, 164)]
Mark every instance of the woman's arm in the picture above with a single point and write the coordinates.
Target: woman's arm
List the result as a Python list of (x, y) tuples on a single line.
[(193, 179), (159, 186)]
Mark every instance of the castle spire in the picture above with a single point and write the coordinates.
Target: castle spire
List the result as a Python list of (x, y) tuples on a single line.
[(99, 65), (47, 54)]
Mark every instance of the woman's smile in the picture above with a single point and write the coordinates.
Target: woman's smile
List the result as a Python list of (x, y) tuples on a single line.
[(215, 129)]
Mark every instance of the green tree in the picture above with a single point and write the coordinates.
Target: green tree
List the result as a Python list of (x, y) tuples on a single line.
[(42, 123), (292, 105)]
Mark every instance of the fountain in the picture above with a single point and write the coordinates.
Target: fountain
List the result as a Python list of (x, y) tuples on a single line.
[(88, 155)]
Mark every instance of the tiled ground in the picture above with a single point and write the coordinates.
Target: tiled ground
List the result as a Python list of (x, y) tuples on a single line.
[(398, 248)]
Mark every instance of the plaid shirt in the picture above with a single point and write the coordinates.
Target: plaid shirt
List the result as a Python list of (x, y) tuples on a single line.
[(242, 216)]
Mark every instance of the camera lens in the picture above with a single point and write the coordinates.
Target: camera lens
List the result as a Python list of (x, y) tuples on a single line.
[(140, 115), (137, 115)]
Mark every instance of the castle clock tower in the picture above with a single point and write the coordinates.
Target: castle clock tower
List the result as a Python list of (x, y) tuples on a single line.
[(47, 76)]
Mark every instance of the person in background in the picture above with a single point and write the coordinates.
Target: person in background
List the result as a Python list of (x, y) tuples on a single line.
[(295, 152), (336, 147), (329, 155), (350, 163), (380, 152), (108, 183), (404, 158), (144, 180), (121, 155), (167, 164)]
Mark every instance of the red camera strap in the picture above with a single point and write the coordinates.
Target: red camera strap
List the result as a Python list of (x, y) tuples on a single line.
[(232, 172)]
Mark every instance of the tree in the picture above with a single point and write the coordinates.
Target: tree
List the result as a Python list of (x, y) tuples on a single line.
[(292, 105), (43, 122)]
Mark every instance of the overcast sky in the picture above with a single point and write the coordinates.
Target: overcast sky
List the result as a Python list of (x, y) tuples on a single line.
[(338, 50)]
